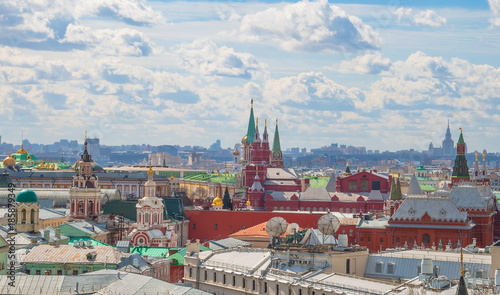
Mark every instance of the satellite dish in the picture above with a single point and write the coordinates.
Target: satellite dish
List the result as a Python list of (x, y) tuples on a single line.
[(275, 227), (292, 228), (328, 224)]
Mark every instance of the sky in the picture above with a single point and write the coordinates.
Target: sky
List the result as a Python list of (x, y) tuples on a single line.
[(387, 75)]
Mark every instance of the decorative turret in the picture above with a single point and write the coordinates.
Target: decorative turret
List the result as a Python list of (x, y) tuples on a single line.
[(265, 136), (257, 134), (276, 153), (460, 169), (150, 208)]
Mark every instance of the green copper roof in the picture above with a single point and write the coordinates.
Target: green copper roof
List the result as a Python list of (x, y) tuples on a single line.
[(26, 196), (276, 142), (163, 252), (395, 190), (251, 126), (461, 138), (214, 178)]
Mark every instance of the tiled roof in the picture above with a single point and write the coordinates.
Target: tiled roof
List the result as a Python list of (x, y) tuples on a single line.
[(258, 230), (72, 254)]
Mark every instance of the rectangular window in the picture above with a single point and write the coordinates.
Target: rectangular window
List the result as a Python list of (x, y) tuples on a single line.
[(265, 287), (194, 226), (353, 185), (37, 272), (390, 268), (369, 239), (234, 280), (75, 272), (253, 285), (59, 272), (27, 271), (216, 226), (364, 185), (348, 266), (381, 240), (190, 272), (379, 267)]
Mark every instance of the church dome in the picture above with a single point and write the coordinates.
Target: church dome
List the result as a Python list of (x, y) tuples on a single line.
[(217, 202), (244, 139), (236, 152), (26, 196), (21, 151), (9, 161)]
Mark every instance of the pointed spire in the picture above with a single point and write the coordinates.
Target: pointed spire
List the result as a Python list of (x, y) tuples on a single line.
[(265, 136), (257, 134), (461, 138), (86, 157), (462, 287), (331, 186), (347, 169), (414, 186), (251, 125), (395, 190), (276, 143)]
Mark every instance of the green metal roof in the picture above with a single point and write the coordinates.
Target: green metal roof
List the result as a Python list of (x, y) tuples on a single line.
[(428, 188), (251, 126), (461, 138), (318, 181), (215, 178), (276, 143), (162, 252), (94, 242), (124, 208), (26, 196)]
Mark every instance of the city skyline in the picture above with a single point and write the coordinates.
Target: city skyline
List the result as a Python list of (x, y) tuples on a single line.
[(383, 76)]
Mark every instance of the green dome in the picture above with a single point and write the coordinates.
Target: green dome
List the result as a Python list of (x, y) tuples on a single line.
[(26, 196)]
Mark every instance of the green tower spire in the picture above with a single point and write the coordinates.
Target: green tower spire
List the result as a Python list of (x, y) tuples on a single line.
[(460, 169), (395, 190), (276, 143), (251, 125)]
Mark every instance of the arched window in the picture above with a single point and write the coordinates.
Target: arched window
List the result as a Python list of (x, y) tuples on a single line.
[(146, 218), (155, 218), (32, 216), (23, 216)]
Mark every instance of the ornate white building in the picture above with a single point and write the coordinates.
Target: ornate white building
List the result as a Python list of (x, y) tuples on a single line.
[(151, 229)]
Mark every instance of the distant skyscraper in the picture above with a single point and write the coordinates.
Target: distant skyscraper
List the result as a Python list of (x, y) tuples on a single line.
[(94, 147), (448, 144)]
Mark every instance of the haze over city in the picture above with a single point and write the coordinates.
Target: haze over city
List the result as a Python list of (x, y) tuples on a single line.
[(381, 74)]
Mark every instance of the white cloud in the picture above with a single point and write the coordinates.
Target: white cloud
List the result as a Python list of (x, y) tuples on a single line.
[(311, 89), (371, 63), (26, 21), (111, 42), (495, 9), (205, 58), (427, 17), (309, 26), (423, 81)]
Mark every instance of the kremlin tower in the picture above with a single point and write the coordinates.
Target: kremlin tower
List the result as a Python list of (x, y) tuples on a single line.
[(460, 169), (263, 171)]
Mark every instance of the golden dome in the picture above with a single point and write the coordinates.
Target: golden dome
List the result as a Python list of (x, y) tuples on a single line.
[(248, 202), (244, 139), (8, 161), (150, 171), (22, 151), (236, 152), (217, 202)]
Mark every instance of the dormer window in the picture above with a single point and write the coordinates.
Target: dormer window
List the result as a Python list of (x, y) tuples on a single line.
[(411, 211), (442, 212)]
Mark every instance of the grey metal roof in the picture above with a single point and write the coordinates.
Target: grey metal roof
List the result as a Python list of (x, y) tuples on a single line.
[(414, 207), (102, 282), (414, 186), (281, 173), (227, 243), (472, 197), (405, 263), (60, 197), (331, 186), (315, 194)]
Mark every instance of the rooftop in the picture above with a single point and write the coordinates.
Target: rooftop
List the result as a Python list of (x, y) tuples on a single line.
[(72, 254)]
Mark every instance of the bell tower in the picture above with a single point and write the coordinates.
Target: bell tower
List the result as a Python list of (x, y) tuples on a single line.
[(85, 194)]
